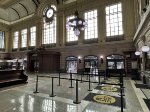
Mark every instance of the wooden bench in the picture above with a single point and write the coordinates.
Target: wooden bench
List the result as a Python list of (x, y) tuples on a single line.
[(10, 77)]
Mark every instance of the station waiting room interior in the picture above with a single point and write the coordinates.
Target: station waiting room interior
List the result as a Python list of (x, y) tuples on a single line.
[(74, 56)]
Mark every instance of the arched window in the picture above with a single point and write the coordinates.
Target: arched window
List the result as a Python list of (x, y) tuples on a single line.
[(49, 29)]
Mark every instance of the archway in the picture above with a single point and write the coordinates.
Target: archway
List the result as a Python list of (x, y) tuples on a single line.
[(115, 61), (71, 64), (91, 64)]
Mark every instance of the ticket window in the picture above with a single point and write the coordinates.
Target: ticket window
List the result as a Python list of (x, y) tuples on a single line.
[(115, 62), (71, 64), (91, 64)]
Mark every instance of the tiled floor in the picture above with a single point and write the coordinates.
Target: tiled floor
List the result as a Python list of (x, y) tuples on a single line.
[(21, 98)]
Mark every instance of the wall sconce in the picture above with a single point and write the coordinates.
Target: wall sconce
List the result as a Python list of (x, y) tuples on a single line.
[(137, 53), (79, 58), (101, 59)]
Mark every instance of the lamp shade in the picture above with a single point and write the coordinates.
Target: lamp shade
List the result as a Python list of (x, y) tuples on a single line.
[(76, 32), (137, 53), (145, 48)]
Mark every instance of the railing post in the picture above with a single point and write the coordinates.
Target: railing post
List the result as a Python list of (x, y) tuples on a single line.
[(81, 77), (121, 95), (77, 100), (36, 89), (52, 95), (121, 80), (71, 80), (99, 80), (89, 83), (59, 80)]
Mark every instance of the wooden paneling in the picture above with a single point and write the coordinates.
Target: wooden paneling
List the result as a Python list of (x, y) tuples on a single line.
[(48, 61)]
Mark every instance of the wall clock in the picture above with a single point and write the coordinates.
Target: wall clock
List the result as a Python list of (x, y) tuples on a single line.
[(49, 14)]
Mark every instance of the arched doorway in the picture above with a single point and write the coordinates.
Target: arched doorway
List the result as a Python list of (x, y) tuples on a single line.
[(71, 64), (115, 61), (91, 64)]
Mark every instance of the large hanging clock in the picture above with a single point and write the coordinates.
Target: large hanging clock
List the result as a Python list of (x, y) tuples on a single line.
[(49, 14)]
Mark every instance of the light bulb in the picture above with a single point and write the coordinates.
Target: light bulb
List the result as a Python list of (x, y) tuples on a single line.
[(85, 23), (67, 26), (69, 23), (137, 53), (74, 22), (80, 22), (82, 29), (76, 32)]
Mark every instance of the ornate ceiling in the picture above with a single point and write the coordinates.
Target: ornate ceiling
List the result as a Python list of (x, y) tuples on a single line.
[(14, 10)]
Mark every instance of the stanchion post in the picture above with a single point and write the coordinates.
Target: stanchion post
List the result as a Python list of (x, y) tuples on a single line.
[(121, 80), (99, 80), (121, 95), (81, 77), (36, 89), (59, 80), (87, 76), (52, 95), (76, 101), (105, 75), (89, 83), (71, 80)]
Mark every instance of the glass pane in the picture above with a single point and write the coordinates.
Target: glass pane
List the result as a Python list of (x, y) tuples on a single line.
[(120, 65), (92, 25), (111, 65), (113, 19)]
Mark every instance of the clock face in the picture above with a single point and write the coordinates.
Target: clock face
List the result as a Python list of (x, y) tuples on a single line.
[(49, 13)]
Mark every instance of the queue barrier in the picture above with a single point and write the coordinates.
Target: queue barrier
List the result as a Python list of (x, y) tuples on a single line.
[(76, 101)]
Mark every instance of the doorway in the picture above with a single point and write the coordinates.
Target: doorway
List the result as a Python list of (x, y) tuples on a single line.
[(115, 61), (71, 64), (115, 64), (34, 66), (91, 64)]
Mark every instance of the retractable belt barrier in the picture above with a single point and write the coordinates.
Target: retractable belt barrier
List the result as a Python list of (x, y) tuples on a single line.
[(76, 101)]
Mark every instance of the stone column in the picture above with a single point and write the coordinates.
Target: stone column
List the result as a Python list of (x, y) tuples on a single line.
[(101, 24), (8, 41), (28, 37), (60, 40), (39, 34)]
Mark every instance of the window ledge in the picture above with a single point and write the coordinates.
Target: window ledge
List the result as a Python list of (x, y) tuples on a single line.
[(31, 47), (90, 41), (49, 45), (71, 43), (14, 49), (114, 38), (23, 48), (1, 49)]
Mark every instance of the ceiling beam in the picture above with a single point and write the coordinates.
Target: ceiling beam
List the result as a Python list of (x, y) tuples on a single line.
[(16, 12), (35, 3), (38, 1), (24, 8), (58, 1)]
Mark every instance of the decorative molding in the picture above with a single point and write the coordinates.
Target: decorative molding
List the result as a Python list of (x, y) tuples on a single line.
[(24, 8), (16, 12)]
